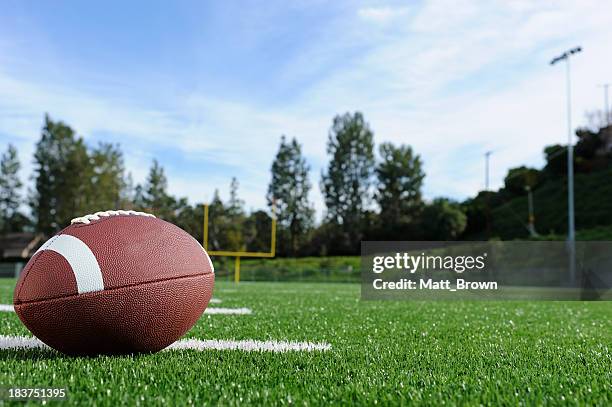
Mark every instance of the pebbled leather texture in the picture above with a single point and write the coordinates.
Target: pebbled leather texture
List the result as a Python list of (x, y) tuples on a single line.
[(139, 318), (48, 275), (157, 283)]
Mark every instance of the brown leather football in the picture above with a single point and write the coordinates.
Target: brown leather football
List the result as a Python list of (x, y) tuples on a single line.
[(115, 282)]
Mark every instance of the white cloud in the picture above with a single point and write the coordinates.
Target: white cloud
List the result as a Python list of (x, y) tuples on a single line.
[(382, 14), (447, 16), (474, 76), (211, 132)]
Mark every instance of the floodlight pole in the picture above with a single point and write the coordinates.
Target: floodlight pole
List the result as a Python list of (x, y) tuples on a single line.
[(571, 233), (488, 207), (607, 112), (487, 155), (531, 218)]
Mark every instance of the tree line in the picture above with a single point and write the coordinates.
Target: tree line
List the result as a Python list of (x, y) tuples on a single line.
[(72, 178), (368, 194)]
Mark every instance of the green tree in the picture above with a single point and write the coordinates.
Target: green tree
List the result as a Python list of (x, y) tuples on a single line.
[(139, 198), (189, 218), (556, 161), (235, 219), (288, 190), (443, 220), (477, 211), (108, 179), (400, 178), (590, 152), (347, 183), (235, 205), (589, 143), (127, 197), (62, 173), (217, 222), (11, 219), (518, 179), (154, 195), (257, 227)]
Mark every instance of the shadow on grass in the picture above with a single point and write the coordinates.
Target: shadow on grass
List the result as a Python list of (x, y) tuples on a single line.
[(29, 354), (38, 354)]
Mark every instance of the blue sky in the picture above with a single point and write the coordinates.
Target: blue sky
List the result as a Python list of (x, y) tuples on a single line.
[(208, 88)]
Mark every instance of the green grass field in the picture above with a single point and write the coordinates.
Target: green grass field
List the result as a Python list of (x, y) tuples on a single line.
[(491, 353)]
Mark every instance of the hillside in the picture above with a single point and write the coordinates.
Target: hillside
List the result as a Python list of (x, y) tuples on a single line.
[(593, 203)]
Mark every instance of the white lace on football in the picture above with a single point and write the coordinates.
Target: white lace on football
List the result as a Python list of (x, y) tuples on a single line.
[(98, 215)]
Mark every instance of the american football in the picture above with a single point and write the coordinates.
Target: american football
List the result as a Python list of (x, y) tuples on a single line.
[(115, 282)]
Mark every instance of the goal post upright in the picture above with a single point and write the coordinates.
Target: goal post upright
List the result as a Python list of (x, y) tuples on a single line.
[(238, 254), (205, 242), (273, 238)]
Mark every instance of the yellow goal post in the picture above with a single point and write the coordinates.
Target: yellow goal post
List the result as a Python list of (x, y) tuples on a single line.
[(238, 254)]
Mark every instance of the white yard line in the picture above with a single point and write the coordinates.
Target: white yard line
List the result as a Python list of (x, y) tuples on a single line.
[(215, 301), (13, 342), (248, 345), (209, 311), (228, 311)]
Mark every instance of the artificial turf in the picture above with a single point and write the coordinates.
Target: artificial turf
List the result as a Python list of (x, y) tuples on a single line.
[(434, 353)]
